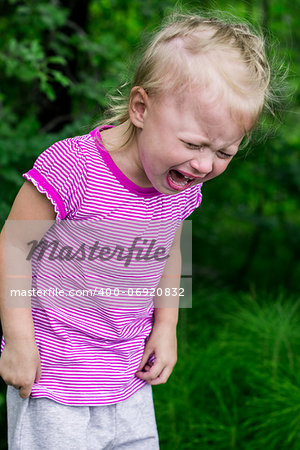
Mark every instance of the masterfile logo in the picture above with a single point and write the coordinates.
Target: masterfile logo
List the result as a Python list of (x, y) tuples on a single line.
[(97, 264), (140, 250)]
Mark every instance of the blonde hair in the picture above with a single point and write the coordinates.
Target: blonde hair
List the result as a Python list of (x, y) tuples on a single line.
[(171, 63)]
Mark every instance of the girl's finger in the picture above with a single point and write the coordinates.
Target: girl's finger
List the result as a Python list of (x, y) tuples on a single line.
[(152, 373), (38, 374), (162, 378), (25, 391), (145, 358)]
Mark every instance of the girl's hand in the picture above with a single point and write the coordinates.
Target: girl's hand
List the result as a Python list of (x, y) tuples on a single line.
[(20, 365), (162, 345)]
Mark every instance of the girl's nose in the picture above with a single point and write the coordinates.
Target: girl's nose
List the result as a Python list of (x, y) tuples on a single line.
[(203, 163)]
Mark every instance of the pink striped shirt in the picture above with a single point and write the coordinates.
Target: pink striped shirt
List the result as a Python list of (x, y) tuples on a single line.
[(91, 346)]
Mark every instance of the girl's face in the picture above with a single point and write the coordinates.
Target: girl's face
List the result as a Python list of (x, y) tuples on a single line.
[(183, 140)]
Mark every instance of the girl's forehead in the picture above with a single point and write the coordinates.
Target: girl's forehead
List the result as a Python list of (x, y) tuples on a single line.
[(200, 102), (213, 105), (202, 115)]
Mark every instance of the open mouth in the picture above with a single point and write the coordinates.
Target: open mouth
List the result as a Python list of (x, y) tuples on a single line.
[(178, 181)]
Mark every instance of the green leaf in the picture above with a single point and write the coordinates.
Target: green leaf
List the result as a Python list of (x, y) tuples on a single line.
[(62, 79)]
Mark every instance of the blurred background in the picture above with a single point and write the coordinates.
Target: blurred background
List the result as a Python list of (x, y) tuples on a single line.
[(237, 381)]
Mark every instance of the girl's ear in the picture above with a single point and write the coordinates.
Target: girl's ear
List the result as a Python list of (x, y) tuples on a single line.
[(138, 104)]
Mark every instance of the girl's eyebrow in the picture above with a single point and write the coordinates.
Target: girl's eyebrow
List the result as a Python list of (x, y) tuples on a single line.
[(196, 139), (200, 141)]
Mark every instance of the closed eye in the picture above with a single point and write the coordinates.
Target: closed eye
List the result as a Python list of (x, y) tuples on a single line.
[(220, 153), (193, 146), (224, 155)]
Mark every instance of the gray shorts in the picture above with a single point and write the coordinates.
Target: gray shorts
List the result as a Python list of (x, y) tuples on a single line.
[(41, 423)]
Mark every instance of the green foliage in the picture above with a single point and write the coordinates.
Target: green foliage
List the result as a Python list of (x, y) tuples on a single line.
[(23, 56), (236, 385)]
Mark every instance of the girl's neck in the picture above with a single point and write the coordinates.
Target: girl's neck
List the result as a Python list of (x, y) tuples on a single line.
[(126, 157), (115, 138)]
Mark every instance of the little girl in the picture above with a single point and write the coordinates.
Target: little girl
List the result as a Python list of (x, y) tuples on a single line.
[(80, 369)]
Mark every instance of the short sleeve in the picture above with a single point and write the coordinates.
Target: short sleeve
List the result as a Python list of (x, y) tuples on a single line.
[(59, 173), (192, 201)]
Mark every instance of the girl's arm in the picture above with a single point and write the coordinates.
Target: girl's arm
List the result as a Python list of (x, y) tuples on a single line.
[(162, 342), (29, 219)]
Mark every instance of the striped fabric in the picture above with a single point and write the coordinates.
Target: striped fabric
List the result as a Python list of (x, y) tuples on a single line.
[(91, 345)]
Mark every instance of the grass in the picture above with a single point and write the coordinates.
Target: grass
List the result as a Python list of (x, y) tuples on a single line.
[(237, 381)]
